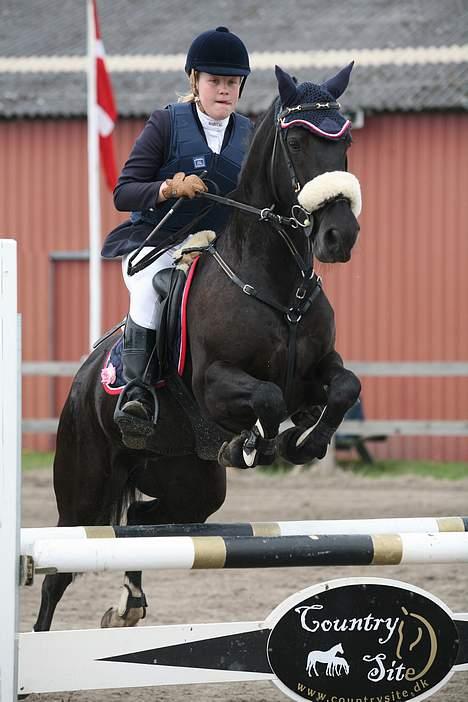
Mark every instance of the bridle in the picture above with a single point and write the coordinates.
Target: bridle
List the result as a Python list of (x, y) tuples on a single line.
[(281, 137)]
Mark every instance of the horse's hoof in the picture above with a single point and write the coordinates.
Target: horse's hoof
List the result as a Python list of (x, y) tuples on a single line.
[(230, 454), (248, 450), (298, 446), (233, 454), (112, 619), (223, 456)]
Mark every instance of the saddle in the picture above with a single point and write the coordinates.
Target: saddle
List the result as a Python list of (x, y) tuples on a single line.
[(172, 287)]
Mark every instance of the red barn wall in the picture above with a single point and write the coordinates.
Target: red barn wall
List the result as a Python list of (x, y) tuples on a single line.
[(400, 298)]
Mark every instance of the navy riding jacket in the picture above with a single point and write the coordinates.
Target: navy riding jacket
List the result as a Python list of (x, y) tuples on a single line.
[(173, 140)]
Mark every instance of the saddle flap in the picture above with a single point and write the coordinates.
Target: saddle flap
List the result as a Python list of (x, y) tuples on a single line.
[(162, 281), (169, 285)]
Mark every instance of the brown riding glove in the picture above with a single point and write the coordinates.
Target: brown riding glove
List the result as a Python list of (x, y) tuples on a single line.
[(183, 186)]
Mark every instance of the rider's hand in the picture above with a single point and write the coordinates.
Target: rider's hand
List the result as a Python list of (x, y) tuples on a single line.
[(183, 186)]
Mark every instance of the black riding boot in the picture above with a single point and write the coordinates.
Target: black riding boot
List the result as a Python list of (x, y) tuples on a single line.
[(137, 349)]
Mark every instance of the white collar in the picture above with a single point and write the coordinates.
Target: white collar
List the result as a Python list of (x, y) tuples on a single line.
[(208, 122)]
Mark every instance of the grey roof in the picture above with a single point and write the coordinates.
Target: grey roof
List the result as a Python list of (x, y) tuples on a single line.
[(132, 27)]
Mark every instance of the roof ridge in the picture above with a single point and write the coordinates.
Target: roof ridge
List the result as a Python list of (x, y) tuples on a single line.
[(260, 60)]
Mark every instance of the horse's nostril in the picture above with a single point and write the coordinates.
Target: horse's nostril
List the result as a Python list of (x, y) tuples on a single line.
[(332, 239)]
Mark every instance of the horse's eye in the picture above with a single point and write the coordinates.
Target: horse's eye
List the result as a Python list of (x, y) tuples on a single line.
[(294, 145)]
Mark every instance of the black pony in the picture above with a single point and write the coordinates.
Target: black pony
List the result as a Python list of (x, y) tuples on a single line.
[(261, 346)]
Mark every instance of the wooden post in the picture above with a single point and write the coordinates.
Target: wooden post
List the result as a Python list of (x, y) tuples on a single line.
[(10, 438)]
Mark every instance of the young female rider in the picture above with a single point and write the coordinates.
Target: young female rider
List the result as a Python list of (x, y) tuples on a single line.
[(202, 132)]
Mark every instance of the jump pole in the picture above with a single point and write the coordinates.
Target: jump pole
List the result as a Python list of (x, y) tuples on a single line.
[(213, 552), (397, 525), (9, 469)]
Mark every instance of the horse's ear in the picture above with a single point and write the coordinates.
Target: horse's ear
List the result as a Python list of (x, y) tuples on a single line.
[(286, 87), (338, 84)]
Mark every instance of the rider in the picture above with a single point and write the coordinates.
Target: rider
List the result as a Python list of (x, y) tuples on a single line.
[(177, 143)]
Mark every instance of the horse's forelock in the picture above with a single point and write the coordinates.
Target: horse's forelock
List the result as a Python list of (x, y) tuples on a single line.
[(312, 92)]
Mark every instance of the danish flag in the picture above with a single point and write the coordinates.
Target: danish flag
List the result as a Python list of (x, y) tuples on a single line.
[(106, 110)]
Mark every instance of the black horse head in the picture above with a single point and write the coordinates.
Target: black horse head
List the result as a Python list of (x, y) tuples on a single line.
[(298, 156)]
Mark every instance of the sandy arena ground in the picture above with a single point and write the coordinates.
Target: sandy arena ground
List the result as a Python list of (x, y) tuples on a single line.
[(202, 596)]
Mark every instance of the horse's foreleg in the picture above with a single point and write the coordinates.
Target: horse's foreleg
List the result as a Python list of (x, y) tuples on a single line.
[(302, 444), (242, 403)]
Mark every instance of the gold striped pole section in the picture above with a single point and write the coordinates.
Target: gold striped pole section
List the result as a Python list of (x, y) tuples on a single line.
[(388, 549), (451, 524), (99, 532), (266, 529), (209, 552)]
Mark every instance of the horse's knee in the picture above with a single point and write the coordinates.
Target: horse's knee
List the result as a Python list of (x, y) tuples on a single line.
[(269, 406), (353, 386), (346, 391)]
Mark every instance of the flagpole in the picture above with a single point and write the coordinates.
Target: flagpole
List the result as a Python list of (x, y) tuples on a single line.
[(94, 208)]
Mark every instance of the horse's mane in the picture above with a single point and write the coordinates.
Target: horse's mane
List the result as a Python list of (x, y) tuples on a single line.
[(264, 118)]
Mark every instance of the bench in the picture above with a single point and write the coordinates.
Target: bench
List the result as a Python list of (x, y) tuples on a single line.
[(357, 442)]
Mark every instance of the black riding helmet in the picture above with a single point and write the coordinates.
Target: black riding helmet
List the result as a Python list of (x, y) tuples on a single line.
[(219, 52)]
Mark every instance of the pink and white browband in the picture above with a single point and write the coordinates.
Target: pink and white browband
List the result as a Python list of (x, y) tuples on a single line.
[(313, 128)]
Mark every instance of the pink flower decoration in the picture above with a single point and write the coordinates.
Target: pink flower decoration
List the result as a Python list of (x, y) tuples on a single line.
[(108, 375)]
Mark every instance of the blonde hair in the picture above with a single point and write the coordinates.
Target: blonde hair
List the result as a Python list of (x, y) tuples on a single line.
[(192, 96)]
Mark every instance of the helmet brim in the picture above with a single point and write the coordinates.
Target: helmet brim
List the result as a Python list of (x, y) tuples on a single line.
[(221, 70)]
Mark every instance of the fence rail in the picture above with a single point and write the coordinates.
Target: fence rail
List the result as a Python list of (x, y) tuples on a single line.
[(399, 427), (440, 369)]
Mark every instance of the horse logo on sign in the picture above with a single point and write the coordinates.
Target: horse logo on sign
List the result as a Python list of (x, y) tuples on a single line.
[(335, 664)]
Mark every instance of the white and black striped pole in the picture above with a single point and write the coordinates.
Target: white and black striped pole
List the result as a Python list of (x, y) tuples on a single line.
[(385, 525), (215, 552)]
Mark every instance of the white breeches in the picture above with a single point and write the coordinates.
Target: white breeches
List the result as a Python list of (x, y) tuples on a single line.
[(143, 298)]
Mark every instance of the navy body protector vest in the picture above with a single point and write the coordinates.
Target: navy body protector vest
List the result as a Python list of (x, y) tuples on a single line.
[(190, 153)]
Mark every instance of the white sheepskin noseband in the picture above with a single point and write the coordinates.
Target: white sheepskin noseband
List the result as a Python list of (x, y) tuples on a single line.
[(318, 191)]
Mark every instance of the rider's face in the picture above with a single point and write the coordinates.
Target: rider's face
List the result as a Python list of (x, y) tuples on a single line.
[(218, 95)]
